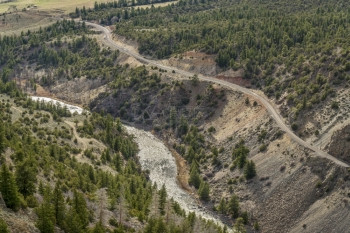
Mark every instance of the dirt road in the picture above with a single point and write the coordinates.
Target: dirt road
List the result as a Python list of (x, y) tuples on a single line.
[(108, 40)]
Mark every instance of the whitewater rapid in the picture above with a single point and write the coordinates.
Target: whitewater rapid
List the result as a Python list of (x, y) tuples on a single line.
[(71, 108)]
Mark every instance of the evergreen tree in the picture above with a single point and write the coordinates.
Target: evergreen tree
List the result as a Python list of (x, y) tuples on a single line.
[(172, 117), (162, 199), (80, 207), (239, 226), (2, 139), (222, 206), (118, 162), (249, 170), (46, 218), (98, 228), (8, 188), (59, 205), (73, 222), (240, 154), (203, 191), (233, 206), (26, 177), (195, 179)]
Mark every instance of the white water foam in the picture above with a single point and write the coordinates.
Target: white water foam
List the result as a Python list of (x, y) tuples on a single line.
[(71, 108)]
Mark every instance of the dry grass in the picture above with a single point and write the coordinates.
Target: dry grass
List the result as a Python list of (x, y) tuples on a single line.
[(65, 5)]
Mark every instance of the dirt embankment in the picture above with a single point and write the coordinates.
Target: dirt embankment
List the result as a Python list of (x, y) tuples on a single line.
[(340, 144), (290, 185)]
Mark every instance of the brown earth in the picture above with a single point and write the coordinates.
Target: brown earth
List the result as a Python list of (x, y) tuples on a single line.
[(340, 144)]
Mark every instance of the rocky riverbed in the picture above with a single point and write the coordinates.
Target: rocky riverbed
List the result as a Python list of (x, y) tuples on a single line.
[(155, 157)]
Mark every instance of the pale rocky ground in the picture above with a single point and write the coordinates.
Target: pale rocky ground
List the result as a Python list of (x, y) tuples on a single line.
[(285, 195)]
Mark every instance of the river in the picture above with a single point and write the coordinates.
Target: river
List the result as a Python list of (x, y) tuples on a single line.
[(155, 157)]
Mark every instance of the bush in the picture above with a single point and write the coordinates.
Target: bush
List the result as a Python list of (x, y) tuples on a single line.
[(32, 202), (294, 126), (262, 148), (335, 105), (3, 227)]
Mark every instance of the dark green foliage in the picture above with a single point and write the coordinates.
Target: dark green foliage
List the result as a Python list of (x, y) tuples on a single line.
[(99, 228), (2, 139), (222, 208), (249, 170), (233, 206), (59, 205), (295, 126), (80, 208), (162, 199), (26, 177), (239, 226), (3, 227), (8, 188), (73, 223), (195, 179), (155, 226), (203, 191), (283, 47), (46, 216), (239, 154)]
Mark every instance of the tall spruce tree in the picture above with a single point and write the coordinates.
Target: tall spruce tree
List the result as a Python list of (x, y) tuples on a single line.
[(26, 177), (195, 179), (46, 218), (80, 207), (233, 206), (203, 191), (2, 139), (59, 205), (8, 188), (162, 199), (249, 170)]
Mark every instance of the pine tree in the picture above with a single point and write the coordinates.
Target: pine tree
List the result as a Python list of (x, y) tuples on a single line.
[(59, 205), (172, 117), (239, 226), (240, 154), (118, 162), (8, 189), (2, 139), (195, 179), (26, 177), (99, 228), (80, 207), (203, 191), (249, 170), (233, 206), (73, 222), (46, 218), (162, 199), (222, 206)]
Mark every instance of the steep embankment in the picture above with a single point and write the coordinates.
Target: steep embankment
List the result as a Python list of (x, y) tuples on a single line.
[(108, 40), (154, 157)]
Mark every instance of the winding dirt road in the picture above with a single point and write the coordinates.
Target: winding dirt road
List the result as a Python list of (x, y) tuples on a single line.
[(108, 40)]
